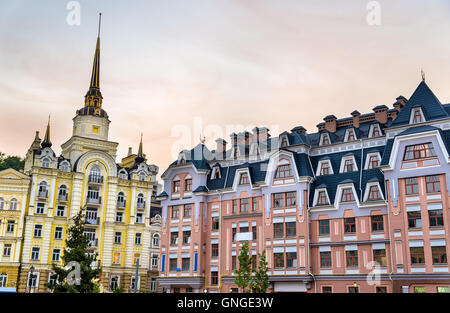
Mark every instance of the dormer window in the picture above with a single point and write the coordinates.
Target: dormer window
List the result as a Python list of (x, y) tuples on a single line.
[(46, 163), (215, 173), (243, 179), (322, 198), (375, 131), (350, 135), (123, 175), (325, 168), (348, 164), (176, 186), (374, 193), (142, 177), (420, 151), (373, 161), (65, 167), (283, 171), (417, 116), (284, 142), (347, 195), (324, 139)]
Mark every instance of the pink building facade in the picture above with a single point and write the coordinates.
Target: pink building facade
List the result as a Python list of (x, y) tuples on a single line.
[(359, 206)]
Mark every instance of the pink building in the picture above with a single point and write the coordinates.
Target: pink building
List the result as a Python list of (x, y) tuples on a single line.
[(359, 206)]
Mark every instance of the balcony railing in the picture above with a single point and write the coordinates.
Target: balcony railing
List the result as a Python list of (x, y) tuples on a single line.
[(43, 194), (94, 200), (92, 220), (93, 243), (95, 179), (140, 205), (122, 204), (63, 198)]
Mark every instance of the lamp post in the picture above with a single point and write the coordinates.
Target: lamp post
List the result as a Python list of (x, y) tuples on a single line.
[(31, 284)]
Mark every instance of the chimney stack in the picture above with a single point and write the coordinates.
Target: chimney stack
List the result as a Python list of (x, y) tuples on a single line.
[(381, 113), (330, 123), (356, 115), (298, 130), (221, 148)]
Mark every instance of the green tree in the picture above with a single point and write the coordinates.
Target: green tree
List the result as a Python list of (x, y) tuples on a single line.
[(260, 280), (77, 245), (9, 161), (244, 272)]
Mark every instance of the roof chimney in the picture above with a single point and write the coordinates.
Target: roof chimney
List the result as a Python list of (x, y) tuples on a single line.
[(355, 115), (381, 113), (221, 148), (330, 123), (130, 151), (298, 130)]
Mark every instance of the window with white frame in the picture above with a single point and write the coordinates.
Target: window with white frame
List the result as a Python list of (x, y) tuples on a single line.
[(284, 141), (374, 131), (350, 135), (13, 204), (56, 255), (7, 250), (133, 281), (372, 161), (324, 139), (154, 261), (35, 251), (153, 285), (3, 279), (139, 218), (2, 203), (348, 164), (64, 166), (137, 239), (123, 174), (40, 208), (156, 240), (37, 231), (324, 168), (373, 192), (118, 237), (58, 232), (119, 217), (10, 226), (114, 283), (347, 195), (215, 173), (142, 177), (46, 163), (416, 116), (60, 211), (322, 197)]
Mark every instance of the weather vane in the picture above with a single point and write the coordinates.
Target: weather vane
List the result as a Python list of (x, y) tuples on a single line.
[(202, 139)]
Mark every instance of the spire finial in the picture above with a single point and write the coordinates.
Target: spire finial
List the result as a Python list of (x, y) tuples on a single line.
[(423, 74), (99, 23), (202, 139), (140, 156), (46, 142)]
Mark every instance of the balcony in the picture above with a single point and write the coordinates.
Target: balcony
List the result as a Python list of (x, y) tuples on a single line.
[(96, 201), (92, 220), (140, 205), (43, 194), (63, 198), (95, 179), (122, 204), (93, 243)]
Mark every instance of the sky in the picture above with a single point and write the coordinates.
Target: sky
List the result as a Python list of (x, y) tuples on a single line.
[(177, 69)]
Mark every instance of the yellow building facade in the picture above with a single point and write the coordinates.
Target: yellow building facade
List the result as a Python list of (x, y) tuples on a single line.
[(116, 199)]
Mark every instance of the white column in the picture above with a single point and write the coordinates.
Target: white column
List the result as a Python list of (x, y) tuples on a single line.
[(33, 191), (52, 193), (133, 203)]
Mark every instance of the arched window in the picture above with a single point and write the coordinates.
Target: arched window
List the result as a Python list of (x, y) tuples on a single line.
[(2, 203), (65, 166), (96, 171), (46, 163), (62, 193), (156, 240), (140, 201), (95, 175), (13, 204), (123, 174), (142, 176), (283, 171), (42, 191), (121, 197)]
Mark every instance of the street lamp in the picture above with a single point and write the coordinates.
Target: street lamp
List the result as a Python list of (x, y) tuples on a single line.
[(31, 284)]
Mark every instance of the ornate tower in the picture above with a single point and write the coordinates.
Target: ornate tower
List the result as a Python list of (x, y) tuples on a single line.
[(91, 123)]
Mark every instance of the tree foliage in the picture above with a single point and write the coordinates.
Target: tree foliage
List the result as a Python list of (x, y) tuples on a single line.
[(10, 161), (251, 279), (77, 246)]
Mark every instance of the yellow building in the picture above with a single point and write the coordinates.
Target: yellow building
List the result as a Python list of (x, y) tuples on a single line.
[(116, 199)]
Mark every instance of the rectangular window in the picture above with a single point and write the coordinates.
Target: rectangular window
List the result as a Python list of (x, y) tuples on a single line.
[(136, 258), (58, 232), (433, 184), (254, 234), (374, 162), (374, 193), (380, 289), (137, 239), (188, 185), (244, 179), (139, 219), (215, 223), (436, 218), (175, 212), (214, 278), (155, 261), (349, 225), (420, 151), (118, 237), (327, 289), (40, 208), (380, 256), (55, 255), (174, 238), (291, 199), (176, 186), (185, 263), (353, 289), (172, 265), (186, 237), (322, 198), (60, 211), (352, 258), (414, 219), (233, 233), (278, 230), (10, 227), (278, 260), (244, 205), (325, 259), (347, 195), (283, 171), (439, 255), (291, 259), (420, 289), (348, 166), (37, 231), (119, 217), (325, 168), (412, 186), (116, 258), (278, 200), (187, 212), (324, 227), (233, 262), (377, 223), (234, 206), (443, 289), (7, 250), (215, 250), (35, 253), (417, 255), (291, 229), (254, 204)]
